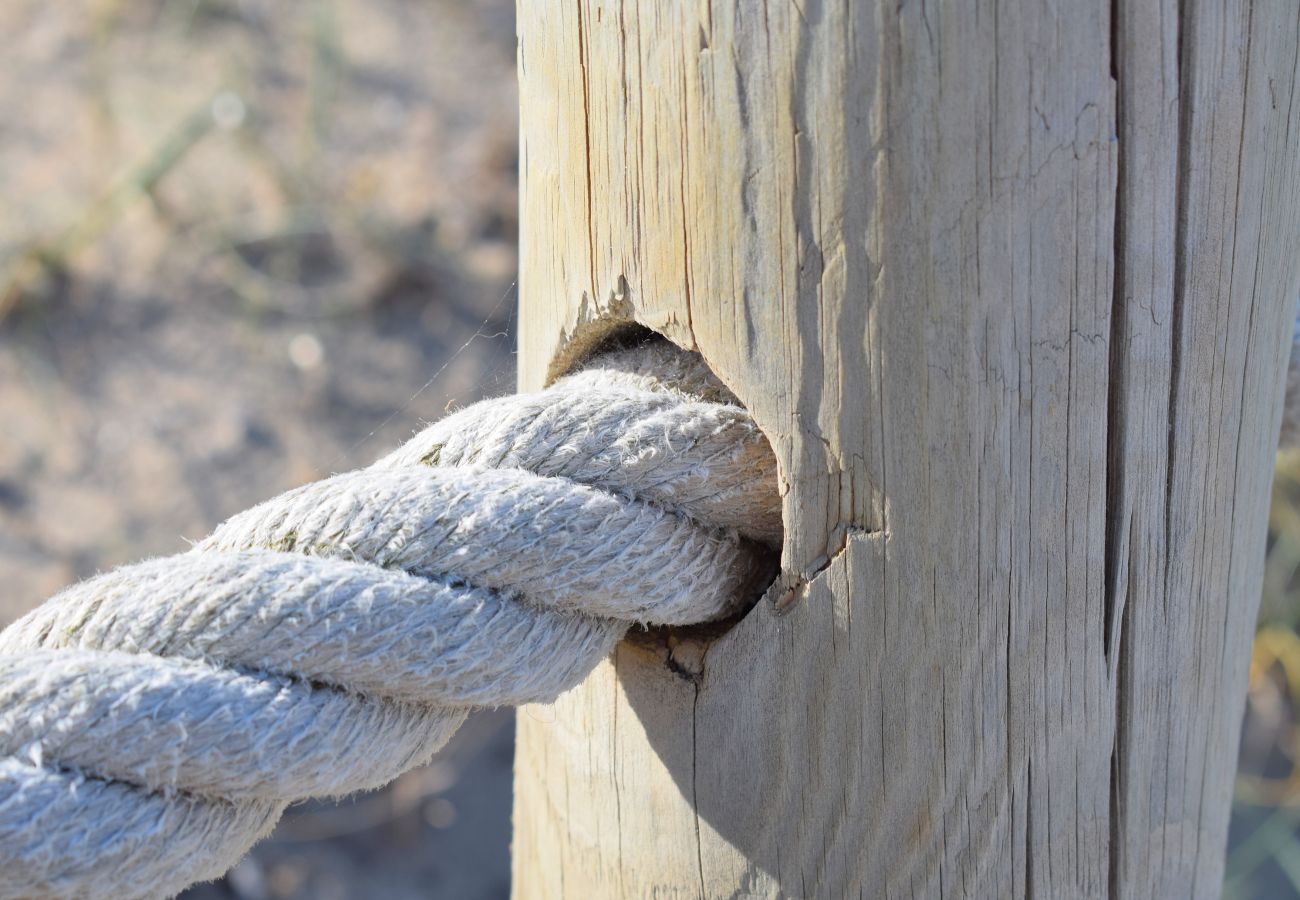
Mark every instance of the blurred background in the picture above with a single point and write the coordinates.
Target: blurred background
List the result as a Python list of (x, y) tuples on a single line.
[(248, 244), (1264, 854), (244, 245)]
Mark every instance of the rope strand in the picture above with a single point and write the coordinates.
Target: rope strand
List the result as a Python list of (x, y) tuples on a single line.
[(156, 720)]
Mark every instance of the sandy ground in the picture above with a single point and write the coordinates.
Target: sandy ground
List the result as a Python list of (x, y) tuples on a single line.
[(245, 245)]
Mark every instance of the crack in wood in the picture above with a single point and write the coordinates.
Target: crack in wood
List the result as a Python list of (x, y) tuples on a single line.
[(801, 586)]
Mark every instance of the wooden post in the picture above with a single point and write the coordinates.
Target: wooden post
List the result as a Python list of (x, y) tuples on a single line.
[(1009, 286)]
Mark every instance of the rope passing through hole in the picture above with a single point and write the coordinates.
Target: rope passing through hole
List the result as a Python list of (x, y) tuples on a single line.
[(156, 720)]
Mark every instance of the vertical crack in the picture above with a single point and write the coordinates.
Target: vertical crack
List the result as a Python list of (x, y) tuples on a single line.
[(695, 796), (586, 133), (1183, 174), (1112, 881), (1029, 828), (1118, 527), (618, 778), (1117, 407)]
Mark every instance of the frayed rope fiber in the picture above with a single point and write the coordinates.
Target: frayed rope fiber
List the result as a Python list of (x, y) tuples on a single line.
[(156, 720)]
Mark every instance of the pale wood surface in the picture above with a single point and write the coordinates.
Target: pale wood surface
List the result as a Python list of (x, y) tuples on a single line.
[(1008, 285)]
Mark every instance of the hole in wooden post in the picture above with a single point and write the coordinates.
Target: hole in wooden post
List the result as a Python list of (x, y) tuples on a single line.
[(681, 647)]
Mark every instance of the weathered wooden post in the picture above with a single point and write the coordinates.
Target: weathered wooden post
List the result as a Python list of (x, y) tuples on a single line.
[(1008, 285)]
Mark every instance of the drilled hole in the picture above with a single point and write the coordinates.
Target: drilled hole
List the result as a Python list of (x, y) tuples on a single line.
[(612, 337)]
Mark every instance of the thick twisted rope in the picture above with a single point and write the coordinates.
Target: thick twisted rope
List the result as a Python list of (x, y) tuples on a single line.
[(155, 721)]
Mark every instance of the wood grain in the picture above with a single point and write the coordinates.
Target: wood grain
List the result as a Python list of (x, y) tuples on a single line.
[(1008, 286)]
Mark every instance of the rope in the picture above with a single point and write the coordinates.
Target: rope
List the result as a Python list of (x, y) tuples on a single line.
[(156, 720)]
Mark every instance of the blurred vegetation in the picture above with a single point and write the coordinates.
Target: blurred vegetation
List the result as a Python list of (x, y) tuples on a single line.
[(1264, 857), (264, 145)]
